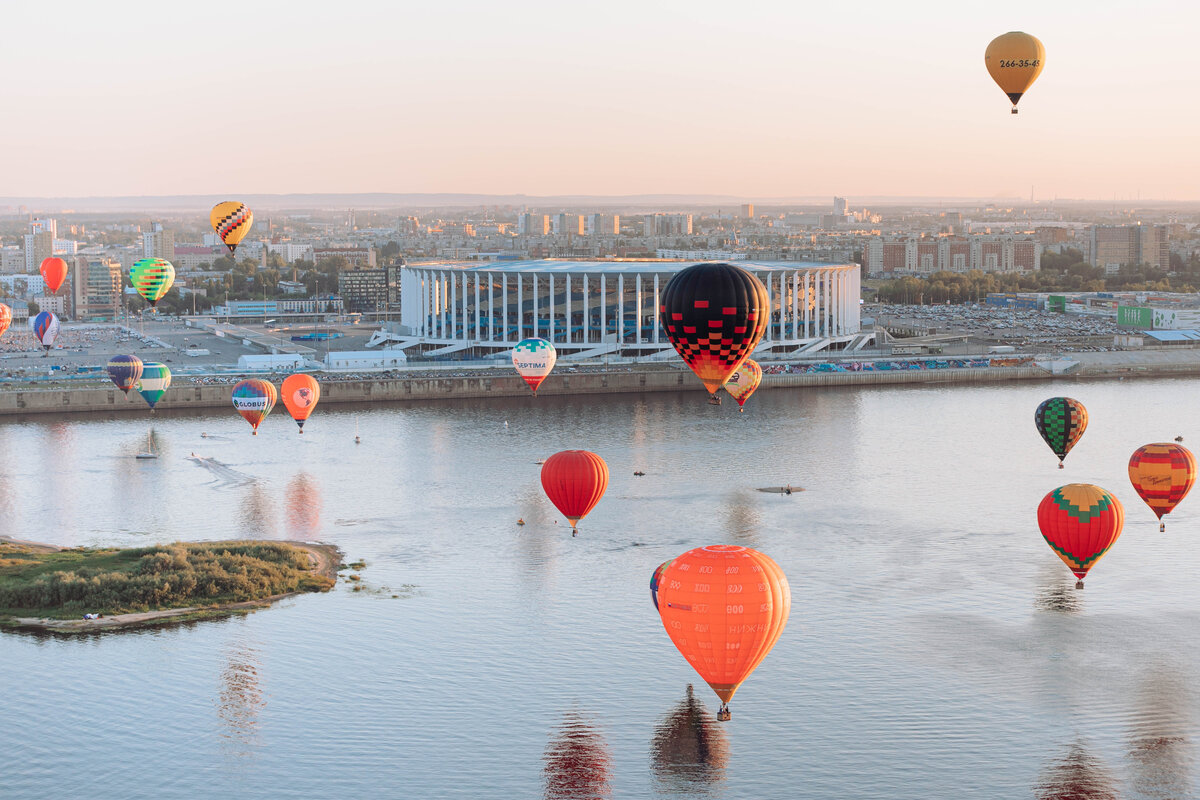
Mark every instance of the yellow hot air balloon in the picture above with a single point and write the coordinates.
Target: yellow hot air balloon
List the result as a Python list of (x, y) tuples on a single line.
[(1014, 60), (231, 220)]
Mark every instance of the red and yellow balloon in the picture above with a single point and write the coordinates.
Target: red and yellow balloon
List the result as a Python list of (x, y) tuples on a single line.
[(724, 607), (1080, 522), (1162, 474)]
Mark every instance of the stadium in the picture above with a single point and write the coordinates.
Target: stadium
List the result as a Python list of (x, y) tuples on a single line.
[(597, 308)]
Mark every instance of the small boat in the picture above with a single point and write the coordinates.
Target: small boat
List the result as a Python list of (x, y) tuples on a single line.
[(357, 439), (149, 448)]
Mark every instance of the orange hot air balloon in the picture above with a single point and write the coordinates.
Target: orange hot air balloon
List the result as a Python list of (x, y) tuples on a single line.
[(1162, 474), (1014, 60), (724, 607), (54, 272), (300, 395), (5, 318), (1080, 522), (574, 481)]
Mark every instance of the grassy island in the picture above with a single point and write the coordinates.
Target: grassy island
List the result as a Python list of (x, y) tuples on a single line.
[(42, 586)]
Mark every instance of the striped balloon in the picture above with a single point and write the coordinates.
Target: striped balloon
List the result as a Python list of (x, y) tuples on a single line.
[(1162, 474), (156, 379), (231, 220), (45, 328), (125, 372), (254, 398), (152, 278), (744, 381)]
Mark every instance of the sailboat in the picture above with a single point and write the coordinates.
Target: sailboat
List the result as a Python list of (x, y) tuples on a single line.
[(149, 447)]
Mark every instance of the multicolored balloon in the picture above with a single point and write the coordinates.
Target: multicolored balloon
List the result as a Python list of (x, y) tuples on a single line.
[(1014, 60), (1061, 421), (724, 607), (54, 272), (5, 318), (152, 278), (744, 381), (300, 395), (574, 480), (1080, 522), (232, 221), (156, 379), (254, 398), (125, 372), (45, 327), (714, 315), (534, 359), (1162, 474), (656, 580)]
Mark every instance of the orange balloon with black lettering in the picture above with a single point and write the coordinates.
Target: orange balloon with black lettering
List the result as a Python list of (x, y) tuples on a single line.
[(574, 481), (300, 395), (724, 607), (1014, 60)]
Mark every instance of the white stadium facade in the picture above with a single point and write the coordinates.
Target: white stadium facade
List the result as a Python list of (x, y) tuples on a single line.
[(596, 308)]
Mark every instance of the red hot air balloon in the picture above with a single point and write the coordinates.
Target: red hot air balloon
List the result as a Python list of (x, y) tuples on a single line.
[(54, 272), (574, 481), (1080, 522), (5, 318), (1162, 474), (715, 315), (724, 607)]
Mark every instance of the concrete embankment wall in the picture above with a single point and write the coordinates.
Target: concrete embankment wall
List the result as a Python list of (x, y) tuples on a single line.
[(200, 396)]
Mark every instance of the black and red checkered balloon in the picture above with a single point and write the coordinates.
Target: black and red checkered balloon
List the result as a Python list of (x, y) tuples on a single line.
[(715, 315)]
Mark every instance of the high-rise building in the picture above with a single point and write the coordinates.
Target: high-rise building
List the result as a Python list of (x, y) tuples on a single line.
[(1115, 246), (158, 243), (839, 206), (96, 288), (748, 210), (602, 224), (913, 255), (533, 225), (567, 224), (370, 289), (38, 247), (43, 226), (667, 224)]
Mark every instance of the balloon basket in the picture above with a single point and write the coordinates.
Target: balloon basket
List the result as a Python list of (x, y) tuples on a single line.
[(1014, 111), (1060, 465), (724, 715), (1162, 526), (1078, 584)]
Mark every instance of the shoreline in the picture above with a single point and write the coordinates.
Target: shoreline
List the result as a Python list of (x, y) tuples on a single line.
[(325, 560)]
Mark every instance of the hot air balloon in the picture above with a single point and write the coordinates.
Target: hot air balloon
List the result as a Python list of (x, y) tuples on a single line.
[(534, 359), (1080, 522), (155, 381), (574, 481), (54, 272), (300, 395), (656, 580), (1014, 60), (724, 607), (45, 328), (231, 220), (744, 381), (254, 398), (5, 318), (1162, 474), (714, 315), (152, 278), (125, 372), (1061, 421)]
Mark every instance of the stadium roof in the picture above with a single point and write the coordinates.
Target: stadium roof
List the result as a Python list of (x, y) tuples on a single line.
[(1174, 336), (629, 267)]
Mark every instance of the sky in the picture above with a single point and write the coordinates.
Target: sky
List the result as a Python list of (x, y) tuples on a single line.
[(752, 99)]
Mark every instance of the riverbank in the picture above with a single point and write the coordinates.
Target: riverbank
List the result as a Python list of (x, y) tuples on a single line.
[(617, 380), (324, 562)]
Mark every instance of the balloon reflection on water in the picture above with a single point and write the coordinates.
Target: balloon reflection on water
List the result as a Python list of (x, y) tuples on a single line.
[(578, 764), (689, 751)]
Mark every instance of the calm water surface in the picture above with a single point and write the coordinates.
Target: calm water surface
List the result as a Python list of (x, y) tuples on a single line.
[(936, 647)]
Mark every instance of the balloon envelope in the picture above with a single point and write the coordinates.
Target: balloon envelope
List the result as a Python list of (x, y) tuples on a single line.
[(1080, 522), (1162, 474), (152, 278), (574, 480), (5, 318), (45, 328), (724, 607), (714, 315), (125, 371), (1061, 421), (232, 221), (534, 359), (744, 380), (54, 272), (300, 395), (1014, 60), (254, 398), (155, 381), (655, 580)]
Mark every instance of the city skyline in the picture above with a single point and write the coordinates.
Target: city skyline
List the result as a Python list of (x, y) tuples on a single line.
[(771, 102)]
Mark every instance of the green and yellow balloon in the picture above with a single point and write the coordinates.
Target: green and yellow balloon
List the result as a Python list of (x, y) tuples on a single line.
[(152, 278)]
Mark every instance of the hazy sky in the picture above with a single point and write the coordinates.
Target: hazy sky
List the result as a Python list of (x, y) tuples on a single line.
[(755, 99)]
